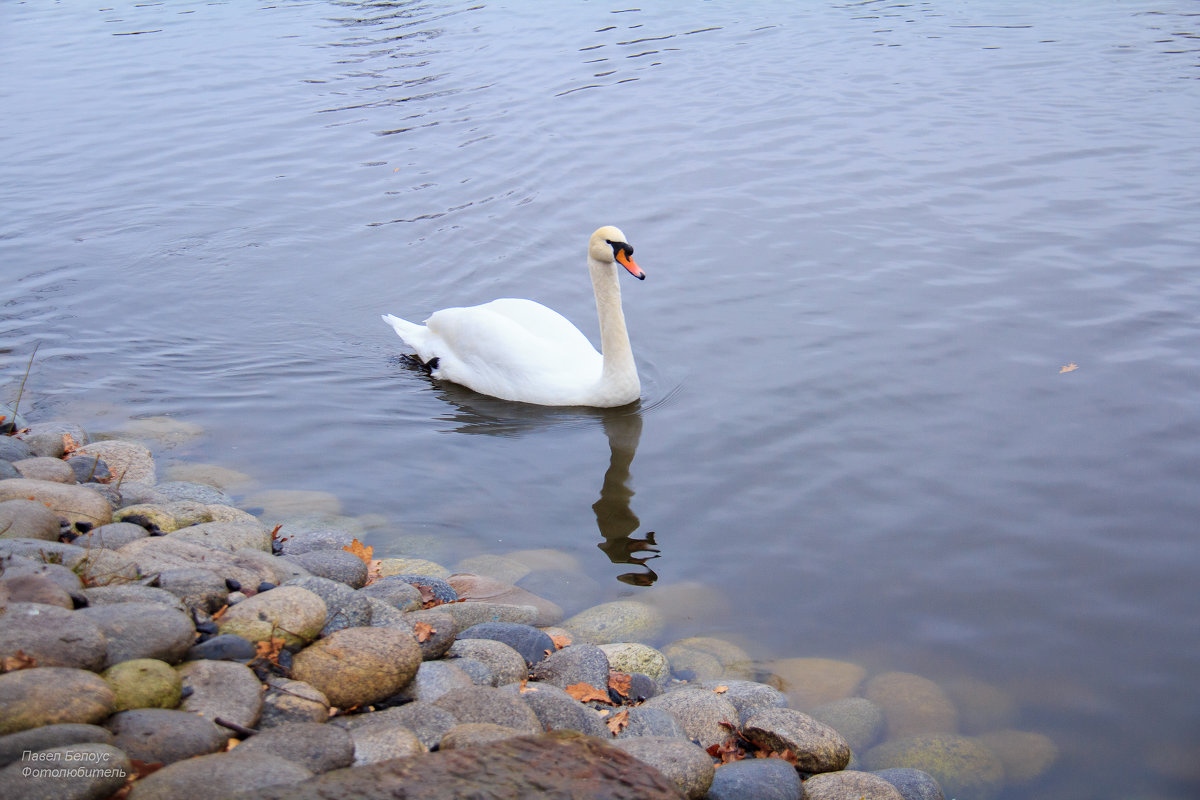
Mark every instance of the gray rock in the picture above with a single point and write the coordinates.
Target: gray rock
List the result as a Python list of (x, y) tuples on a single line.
[(160, 553), (291, 613), (356, 666), (857, 719), (436, 588), (618, 621), (288, 701), (197, 588), (161, 735), (398, 594), (46, 444), (648, 721), (849, 784), (56, 427), (216, 776), (570, 590), (52, 636), (42, 468), (433, 679), (817, 747), (225, 647), (426, 720), (88, 469), (748, 697), (112, 536), (336, 565), (701, 713), (85, 771), (304, 537), (474, 734), (222, 689), (315, 746), (505, 664), (383, 741), (577, 663), (280, 571), (505, 598), (632, 657), (142, 630), (13, 566), (131, 593), (196, 492), (468, 614), (385, 616), (7, 470), (27, 519), (437, 628), (558, 711), (759, 778), (35, 739), (531, 643), (227, 536), (129, 460), (31, 698), (913, 784), (685, 764), (481, 674), (482, 704), (14, 449), (345, 608), (34, 589)]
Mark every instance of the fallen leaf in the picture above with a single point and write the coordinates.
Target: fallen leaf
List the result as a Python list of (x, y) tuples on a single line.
[(560, 640), (619, 682), (423, 630), (720, 690), (361, 550), (585, 692), (270, 649), (617, 722), (220, 612), (231, 743), (17, 661), (374, 570), (69, 444), (1068, 368)]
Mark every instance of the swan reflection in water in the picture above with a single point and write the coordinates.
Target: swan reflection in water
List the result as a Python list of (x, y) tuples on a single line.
[(480, 414)]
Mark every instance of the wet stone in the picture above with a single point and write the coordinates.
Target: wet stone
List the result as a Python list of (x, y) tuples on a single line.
[(143, 683), (748, 697), (480, 589), (849, 784), (52, 636), (810, 682), (631, 657), (224, 647), (857, 719), (913, 784), (701, 713), (504, 664), (531, 643), (130, 460), (195, 492), (618, 621), (436, 588), (570, 590), (578, 663), (759, 778), (398, 594), (392, 567), (912, 704), (818, 748), (357, 666), (31, 698)]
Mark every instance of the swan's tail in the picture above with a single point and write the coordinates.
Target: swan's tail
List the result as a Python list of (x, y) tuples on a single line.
[(410, 332)]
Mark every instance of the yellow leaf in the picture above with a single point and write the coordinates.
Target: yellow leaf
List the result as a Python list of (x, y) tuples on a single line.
[(1068, 368), (583, 692), (361, 550)]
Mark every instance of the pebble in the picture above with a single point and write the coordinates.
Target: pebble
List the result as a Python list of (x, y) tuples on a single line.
[(817, 747), (36, 589), (44, 468), (531, 643), (394, 567), (296, 538), (131, 593), (71, 502), (336, 565), (73, 772), (142, 630), (849, 785), (646, 720), (486, 590), (157, 554), (748, 697), (89, 469), (287, 701), (228, 536), (224, 647), (484, 704), (14, 745), (14, 449), (160, 735), (357, 666), (14, 565), (439, 629), (911, 704), (128, 460), (216, 776), (1024, 754), (913, 784), (700, 712), (570, 590), (437, 588), (315, 746), (961, 765), (556, 710), (618, 621), (195, 492), (501, 569), (473, 613), (291, 613), (221, 689), (857, 719), (31, 698), (52, 636), (758, 778), (426, 720), (27, 519), (472, 734), (633, 657), (683, 763), (578, 663), (143, 683), (383, 741), (504, 665), (433, 679), (112, 536), (398, 594), (345, 608), (811, 682), (732, 661)]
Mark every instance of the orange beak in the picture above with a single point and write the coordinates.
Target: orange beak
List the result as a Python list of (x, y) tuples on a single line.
[(631, 265)]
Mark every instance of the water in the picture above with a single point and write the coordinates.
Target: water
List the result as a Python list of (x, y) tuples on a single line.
[(874, 234)]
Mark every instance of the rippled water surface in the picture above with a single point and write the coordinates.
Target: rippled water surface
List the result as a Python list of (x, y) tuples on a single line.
[(875, 234)]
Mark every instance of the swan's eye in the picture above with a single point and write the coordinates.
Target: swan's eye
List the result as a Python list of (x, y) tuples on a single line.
[(619, 246)]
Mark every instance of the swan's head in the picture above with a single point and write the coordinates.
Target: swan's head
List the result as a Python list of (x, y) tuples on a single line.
[(608, 245)]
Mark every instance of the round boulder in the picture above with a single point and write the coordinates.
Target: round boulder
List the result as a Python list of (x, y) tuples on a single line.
[(290, 613), (356, 666), (31, 698), (52, 636), (143, 683), (817, 747)]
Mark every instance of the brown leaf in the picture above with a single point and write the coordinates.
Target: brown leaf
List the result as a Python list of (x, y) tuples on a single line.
[(1068, 368), (361, 550), (619, 682), (720, 689), (69, 444), (423, 630), (269, 650), (584, 692), (617, 722), (17, 661), (560, 640)]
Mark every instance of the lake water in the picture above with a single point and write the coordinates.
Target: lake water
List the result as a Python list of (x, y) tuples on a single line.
[(875, 234)]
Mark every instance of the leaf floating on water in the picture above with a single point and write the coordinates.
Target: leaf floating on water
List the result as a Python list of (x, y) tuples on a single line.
[(585, 692), (1068, 368)]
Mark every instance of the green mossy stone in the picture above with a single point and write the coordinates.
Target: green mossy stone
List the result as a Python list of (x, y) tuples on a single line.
[(143, 683)]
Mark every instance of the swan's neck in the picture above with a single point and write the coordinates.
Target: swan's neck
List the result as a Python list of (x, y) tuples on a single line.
[(620, 371)]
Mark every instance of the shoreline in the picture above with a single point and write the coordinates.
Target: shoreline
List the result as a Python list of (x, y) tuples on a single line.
[(231, 649)]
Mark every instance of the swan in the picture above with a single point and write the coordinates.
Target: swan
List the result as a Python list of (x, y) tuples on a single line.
[(520, 350)]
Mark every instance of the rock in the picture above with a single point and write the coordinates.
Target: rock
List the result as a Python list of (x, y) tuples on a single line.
[(86, 771), (911, 704), (96, 567), (504, 664), (558, 711), (758, 778), (222, 689), (650, 721), (337, 565), (202, 493), (46, 444), (14, 745), (225, 647), (12, 448), (468, 614), (857, 719), (383, 741), (7, 470), (214, 475), (385, 616), (733, 663), (618, 621), (962, 766), (315, 746), (397, 594), (434, 588), (14, 565), (197, 588), (345, 608), (165, 431), (482, 704), (810, 682), (112, 536), (426, 720), (439, 629), (158, 554), (412, 567), (701, 713), (433, 679), (216, 776), (749, 697), (295, 502), (40, 468), (127, 460), (532, 644), (152, 516), (544, 558), (89, 469), (116, 593), (981, 706), (485, 590), (297, 539), (818, 747), (227, 536), (35, 589), (143, 683), (550, 765), (579, 663), (134, 493), (72, 503), (142, 630), (276, 570), (913, 784), (160, 735), (31, 698), (222, 513), (570, 590), (685, 764), (498, 568), (1024, 754), (27, 519), (288, 701), (633, 657), (51, 636), (357, 666), (291, 613), (473, 734), (849, 785)]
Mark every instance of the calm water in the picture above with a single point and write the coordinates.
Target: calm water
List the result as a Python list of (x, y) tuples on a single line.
[(874, 233)]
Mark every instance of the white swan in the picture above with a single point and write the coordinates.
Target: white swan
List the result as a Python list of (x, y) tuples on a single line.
[(520, 350)]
